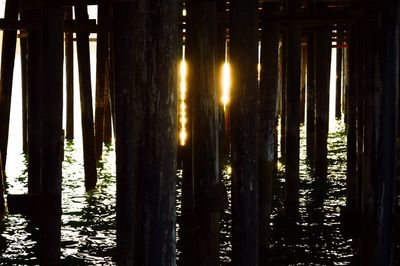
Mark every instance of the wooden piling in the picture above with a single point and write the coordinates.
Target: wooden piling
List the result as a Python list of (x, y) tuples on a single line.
[(2, 190), (352, 184), (24, 87), (339, 83), (69, 76), (310, 129), (156, 46), (126, 158), (52, 136), (35, 102), (303, 73), (283, 78), (322, 81), (292, 117), (268, 125), (244, 117), (6, 77), (202, 54), (89, 151), (101, 59), (107, 135)]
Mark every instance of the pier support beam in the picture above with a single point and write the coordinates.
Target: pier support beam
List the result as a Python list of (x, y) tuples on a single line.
[(244, 117), (69, 76), (89, 149), (322, 80), (310, 130), (339, 79), (292, 117), (52, 138), (202, 57), (6, 77), (268, 125)]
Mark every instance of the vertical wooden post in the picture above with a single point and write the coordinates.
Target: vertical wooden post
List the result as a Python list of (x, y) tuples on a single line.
[(352, 184), (126, 158), (69, 76), (283, 65), (303, 72), (52, 135), (339, 78), (89, 151), (2, 190), (35, 98), (322, 80), (6, 77), (202, 54), (101, 58), (155, 43), (244, 117), (268, 125), (292, 117), (24, 84), (311, 98), (107, 136)]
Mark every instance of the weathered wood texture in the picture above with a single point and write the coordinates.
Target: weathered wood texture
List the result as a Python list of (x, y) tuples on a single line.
[(155, 42), (339, 82), (322, 81), (292, 117), (382, 80), (202, 56), (283, 78), (311, 98), (244, 137), (303, 77), (6, 77), (69, 76), (85, 87), (268, 134)]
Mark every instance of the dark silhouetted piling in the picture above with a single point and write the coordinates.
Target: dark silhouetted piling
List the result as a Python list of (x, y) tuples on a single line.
[(202, 56), (85, 87), (244, 137), (283, 78), (24, 87), (292, 117), (69, 76), (126, 158), (339, 83), (268, 133), (2, 189), (310, 129), (6, 76), (107, 135), (35, 98), (322, 81), (303, 77), (101, 59), (52, 138)]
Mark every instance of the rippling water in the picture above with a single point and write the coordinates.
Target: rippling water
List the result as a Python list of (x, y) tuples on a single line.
[(88, 220)]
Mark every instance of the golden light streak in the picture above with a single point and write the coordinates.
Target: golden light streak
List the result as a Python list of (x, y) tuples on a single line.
[(182, 97), (226, 84)]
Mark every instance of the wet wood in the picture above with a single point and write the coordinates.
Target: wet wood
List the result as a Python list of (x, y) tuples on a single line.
[(69, 77), (2, 189), (89, 149), (310, 129), (322, 81), (6, 77), (292, 118), (268, 133), (155, 112), (202, 56), (243, 121), (101, 59), (126, 158)]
